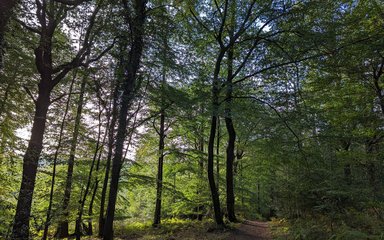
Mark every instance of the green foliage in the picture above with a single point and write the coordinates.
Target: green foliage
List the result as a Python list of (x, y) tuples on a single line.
[(307, 108)]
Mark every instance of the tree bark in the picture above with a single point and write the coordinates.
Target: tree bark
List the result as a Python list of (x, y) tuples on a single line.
[(131, 69), (30, 161), (62, 230)]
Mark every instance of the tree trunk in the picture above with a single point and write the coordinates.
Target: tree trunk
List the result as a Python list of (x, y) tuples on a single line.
[(159, 180), (30, 161), (111, 140), (229, 168), (131, 68), (201, 174), (371, 150), (48, 218), (62, 230), (211, 142), (90, 210), (79, 220), (97, 180), (258, 198), (231, 139), (161, 133), (218, 156)]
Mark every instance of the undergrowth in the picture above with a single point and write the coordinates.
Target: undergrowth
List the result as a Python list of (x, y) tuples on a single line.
[(170, 229)]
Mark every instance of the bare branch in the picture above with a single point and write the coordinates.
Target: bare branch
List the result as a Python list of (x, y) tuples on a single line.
[(32, 29), (78, 60), (199, 21), (29, 93), (62, 95), (71, 2), (154, 126)]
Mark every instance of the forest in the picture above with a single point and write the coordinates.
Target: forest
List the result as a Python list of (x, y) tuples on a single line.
[(186, 119)]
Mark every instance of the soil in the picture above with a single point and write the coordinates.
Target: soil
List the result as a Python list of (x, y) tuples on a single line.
[(254, 230)]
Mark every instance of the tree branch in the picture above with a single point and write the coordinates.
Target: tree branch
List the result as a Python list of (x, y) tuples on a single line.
[(29, 93)]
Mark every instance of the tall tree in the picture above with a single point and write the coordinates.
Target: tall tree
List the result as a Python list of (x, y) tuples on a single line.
[(49, 15), (135, 15)]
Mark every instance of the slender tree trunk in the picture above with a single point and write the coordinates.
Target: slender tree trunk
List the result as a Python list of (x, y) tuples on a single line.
[(90, 210), (229, 168), (30, 161), (116, 166), (258, 198), (161, 133), (62, 230), (59, 142), (347, 167), (132, 66), (211, 142), (218, 157), (371, 150), (97, 180), (79, 219), (231, 139), (159, 180), (201, 173), (111, 134)]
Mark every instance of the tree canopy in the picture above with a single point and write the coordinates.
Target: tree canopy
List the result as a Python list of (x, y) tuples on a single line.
[(121, 115)]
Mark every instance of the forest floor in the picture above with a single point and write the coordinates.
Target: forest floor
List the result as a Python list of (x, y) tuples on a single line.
[(255, 230), (194, 230)]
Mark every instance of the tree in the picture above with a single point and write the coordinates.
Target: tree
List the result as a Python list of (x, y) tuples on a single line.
[(135, 19), (49, 15), (62, 230)]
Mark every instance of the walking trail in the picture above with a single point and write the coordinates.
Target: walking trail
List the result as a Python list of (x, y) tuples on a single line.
[(254, 230)]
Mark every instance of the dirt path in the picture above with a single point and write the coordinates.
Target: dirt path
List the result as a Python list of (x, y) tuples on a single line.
[(252, 230)]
